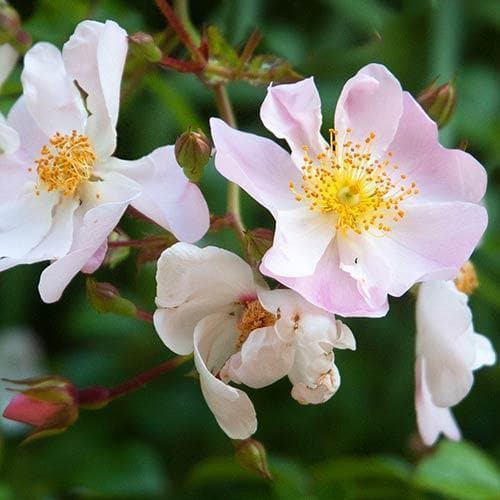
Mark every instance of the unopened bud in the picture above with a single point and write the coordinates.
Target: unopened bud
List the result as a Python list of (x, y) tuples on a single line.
[(251, 455), (467, 281), (439, 102), (192, 151), (106, 298), (10, 28), (49, 404), (144, 44)]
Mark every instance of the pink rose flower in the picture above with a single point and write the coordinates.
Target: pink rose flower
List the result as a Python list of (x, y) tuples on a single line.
[(63, 191), (379, 206)]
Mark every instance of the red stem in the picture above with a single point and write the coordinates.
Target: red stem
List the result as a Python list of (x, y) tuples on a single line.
[(178, 27), (96, 397)]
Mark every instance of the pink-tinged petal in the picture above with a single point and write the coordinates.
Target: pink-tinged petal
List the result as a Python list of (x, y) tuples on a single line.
[(371, 101), (231, 407), (9, 138), (31, 411), (167, 196), (439, 173), (359, 258), (50, 94), (293, 112), (25, 221), (193, 282), (264, 358), (98, 216), (345, 338), (33, 138), (300, 240), (259, 166), (94, 263), (8, 59), (333, 289), (431, 237), (95, 56), (485, 354), (431, 420)]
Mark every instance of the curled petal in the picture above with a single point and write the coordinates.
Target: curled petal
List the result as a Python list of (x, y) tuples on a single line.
[(371, 101), (264, 358), (293, 112), (95, 56), (231, 407), (326, 386), (431, 419)]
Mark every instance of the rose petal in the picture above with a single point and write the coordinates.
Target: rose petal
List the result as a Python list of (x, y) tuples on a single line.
[(51, 96), (231, 407), (259, 166), (293, 112), (95, 56), (193, 282)]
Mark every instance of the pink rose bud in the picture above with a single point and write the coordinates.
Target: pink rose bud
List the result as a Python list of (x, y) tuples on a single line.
[(192, 152), (439, 102), (48, 404)]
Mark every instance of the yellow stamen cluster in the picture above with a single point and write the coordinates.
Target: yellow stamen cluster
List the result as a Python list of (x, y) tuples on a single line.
[(254, 316), (65, 162), (467, 281), (365, 193)]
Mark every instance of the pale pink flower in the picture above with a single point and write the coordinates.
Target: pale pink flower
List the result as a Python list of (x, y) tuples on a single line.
[(378, 207), (9, 140), (209, 302), (448, 351), (62, 191)]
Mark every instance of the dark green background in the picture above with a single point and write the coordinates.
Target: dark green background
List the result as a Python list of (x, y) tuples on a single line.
[(162, 442)]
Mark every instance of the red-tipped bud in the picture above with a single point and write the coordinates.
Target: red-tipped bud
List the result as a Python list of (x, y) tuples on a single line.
[(106, 298), (49, 404), (144, 44), (251, 455), (192, 151), (439, 102), (10, 28)]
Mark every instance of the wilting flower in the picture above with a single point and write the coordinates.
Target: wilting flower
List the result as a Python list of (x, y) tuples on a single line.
[(448, 351), (378, 207), (49, 404), (62, 191), (208, 301)]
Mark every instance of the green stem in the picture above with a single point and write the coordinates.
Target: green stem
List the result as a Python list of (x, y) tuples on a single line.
[(233, 191)]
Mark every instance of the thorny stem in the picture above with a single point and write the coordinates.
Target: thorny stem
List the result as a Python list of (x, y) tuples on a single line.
[(233, 190), (97, 397), (178, 26), (137, 243)]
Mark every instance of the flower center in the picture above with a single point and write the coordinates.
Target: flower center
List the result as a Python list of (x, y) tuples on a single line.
[(254, 316), (65, 162), (365, 193)]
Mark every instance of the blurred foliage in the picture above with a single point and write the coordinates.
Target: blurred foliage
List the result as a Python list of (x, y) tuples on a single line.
[(162, 441)]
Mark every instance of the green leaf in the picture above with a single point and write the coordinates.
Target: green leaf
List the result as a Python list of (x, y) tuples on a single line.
[(266, 68), (219, 49), (459, 470)]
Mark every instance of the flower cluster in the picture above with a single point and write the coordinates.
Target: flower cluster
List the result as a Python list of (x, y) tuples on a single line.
[(370, 211)]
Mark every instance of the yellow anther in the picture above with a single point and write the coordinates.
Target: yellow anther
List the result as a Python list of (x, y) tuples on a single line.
[(65, 163)]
